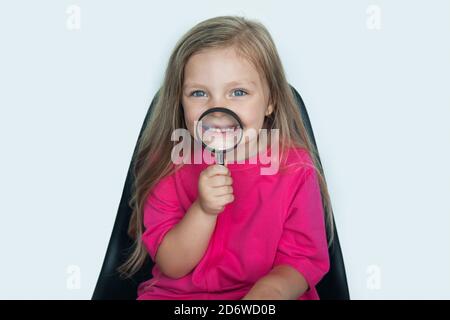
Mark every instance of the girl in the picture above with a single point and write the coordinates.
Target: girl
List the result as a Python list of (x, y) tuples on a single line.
[(229, 231)]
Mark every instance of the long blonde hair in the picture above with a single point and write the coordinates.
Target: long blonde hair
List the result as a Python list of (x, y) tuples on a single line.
[(153, 156)]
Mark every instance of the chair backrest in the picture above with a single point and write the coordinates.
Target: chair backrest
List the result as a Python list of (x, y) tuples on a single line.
[(111, 287), (333, 285)]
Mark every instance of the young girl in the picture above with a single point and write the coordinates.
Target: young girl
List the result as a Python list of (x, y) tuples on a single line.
[(229, 231)]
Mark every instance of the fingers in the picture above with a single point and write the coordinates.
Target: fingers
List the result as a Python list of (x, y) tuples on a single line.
[(223, 190), (217, 169), (225, 199), (219, 181), (215, 188)]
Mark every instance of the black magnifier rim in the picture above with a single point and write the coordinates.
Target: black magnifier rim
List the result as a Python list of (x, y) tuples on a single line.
[(225, 110)]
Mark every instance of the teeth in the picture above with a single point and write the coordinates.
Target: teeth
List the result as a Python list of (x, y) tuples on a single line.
[(221, 130)]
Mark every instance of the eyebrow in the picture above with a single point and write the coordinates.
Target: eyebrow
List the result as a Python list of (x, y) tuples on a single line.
[(231, 83)]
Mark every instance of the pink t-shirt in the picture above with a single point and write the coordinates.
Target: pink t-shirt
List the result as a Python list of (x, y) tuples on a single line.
[(274, 219)]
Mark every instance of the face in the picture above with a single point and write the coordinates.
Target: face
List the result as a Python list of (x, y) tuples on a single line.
[(220, 78)]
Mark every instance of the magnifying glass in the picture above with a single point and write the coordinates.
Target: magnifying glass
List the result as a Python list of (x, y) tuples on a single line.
[(220, 130)]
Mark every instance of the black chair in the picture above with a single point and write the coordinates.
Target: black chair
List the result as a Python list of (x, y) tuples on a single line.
[(110, 286)]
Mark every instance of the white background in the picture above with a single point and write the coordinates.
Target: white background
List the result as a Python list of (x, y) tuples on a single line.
[(72, 102)]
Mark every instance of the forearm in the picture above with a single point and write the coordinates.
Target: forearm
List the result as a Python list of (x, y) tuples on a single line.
[(263, 291), (185, 244), (282, 283)]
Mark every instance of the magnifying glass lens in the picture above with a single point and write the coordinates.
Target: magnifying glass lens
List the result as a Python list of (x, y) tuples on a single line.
[(220, 130)]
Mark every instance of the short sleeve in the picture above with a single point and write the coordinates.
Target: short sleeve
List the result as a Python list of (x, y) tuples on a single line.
[(303, 243), (162, 211)]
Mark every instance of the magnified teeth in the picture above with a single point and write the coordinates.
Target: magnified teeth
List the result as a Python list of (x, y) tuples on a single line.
[(219, 130)]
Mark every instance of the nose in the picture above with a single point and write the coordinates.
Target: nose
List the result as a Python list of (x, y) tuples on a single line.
[(218, 115), (218, 100)]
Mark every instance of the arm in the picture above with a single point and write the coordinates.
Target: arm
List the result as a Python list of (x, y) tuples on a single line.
[(282, 283), (181, 249), (177, 239), (302, 254)]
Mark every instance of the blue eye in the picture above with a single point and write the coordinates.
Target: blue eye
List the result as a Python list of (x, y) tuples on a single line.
[(202, 93), (192, 94), (239, 90)]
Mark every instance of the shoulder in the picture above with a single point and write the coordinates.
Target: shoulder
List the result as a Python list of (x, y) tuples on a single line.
[(297, 160), (164, 186), (179, 180), (303, 179)]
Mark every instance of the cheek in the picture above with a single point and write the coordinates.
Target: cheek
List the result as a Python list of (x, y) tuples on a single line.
[(253, 120), (190, 116), (252, 113), (252, 126)]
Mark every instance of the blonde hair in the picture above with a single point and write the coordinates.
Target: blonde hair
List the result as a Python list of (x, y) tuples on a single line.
[(252, 41)]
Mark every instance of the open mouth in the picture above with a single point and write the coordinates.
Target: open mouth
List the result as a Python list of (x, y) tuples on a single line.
[(231, 129)]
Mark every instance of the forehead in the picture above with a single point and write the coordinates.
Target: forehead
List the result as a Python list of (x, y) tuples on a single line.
[(219, 66)]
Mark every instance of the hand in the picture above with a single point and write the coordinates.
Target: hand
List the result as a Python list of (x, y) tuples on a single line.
[(214, 189)]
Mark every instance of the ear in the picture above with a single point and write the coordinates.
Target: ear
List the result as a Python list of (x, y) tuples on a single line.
[(269, 110)]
